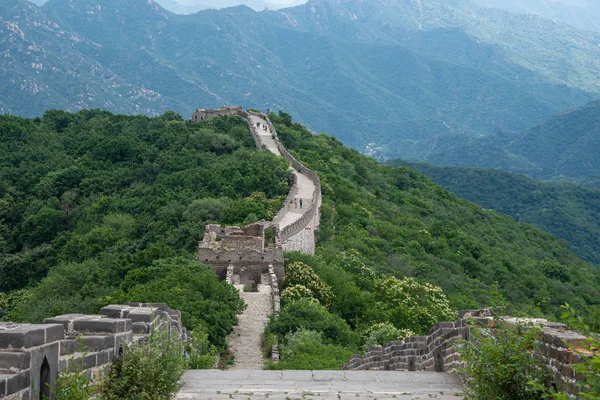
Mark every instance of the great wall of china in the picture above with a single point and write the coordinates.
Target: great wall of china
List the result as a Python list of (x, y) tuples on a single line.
[(251, 258)]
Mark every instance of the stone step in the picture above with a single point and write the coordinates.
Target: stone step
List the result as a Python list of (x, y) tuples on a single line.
[(254, 384)]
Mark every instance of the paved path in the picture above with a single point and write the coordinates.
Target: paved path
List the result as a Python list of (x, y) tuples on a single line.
[(244, 341), (325, 385), (265, 137), (305, 191), (306, 187)]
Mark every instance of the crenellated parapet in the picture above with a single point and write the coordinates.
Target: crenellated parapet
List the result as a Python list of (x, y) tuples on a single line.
[(437, 351), (32, 355)]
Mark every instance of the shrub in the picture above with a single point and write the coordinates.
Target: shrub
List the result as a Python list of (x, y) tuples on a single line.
[(409, 304), (199, 351), (146, 370), (500, 363), (305, 349), (298, 273), (295, 293), (304, 314), (380, 334)]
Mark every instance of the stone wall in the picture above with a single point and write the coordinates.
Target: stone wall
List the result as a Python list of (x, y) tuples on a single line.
[(32, 355), (436, 351), (203, 114), (241, 252), (311, 218)]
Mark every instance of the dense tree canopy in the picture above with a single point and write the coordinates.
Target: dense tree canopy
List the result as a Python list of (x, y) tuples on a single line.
[(98, 208)]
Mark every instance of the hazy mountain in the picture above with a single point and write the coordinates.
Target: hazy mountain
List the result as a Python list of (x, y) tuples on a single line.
[(582, 14), (193, 6), (565, 146), (393, 73)]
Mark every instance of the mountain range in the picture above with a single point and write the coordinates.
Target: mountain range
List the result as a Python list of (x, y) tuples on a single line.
[(385, 77), (563, 148)]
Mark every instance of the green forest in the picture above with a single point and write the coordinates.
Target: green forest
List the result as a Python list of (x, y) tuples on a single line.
[(97, 208), (568, 211)]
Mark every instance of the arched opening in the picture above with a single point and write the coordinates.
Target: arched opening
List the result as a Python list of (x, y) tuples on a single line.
[(45, 380)]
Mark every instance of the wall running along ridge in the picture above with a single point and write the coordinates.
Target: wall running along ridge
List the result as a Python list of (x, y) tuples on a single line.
[(32, 355)]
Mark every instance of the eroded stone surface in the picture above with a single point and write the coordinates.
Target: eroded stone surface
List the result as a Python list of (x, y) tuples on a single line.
[(244, 341)]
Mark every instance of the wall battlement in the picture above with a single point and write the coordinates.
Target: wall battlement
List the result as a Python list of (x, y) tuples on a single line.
[(32, 355), (437, 352)]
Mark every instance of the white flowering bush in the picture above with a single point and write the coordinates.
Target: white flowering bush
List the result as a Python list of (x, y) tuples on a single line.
[(383, 332), (299, 273), (295, 293), (410, 304)]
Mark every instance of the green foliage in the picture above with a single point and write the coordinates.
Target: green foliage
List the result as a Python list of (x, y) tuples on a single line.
[(200, 353), (304, 314), (147, 370), (295, 293), (398, 223), (74, 383), (567, 211), (300, 276), (205, 302), (97, 208), (412, 305), (500, 363), (381, 333), (306, 349)]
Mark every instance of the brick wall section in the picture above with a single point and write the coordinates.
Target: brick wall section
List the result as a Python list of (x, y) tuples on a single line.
[(31, 354), (436, 351)]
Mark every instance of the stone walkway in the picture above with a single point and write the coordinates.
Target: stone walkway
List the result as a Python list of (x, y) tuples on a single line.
[(306, 187), (265, 137), (305, 191), (244, 341), (325, 385)]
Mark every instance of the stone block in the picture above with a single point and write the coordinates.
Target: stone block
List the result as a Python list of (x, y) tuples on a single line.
[(141, 328), (98, 343), (115, 310), (100, 325), (2, 386), (16, 382), (68, 346), (65, 320), (14, 359), (142, 314), (55, 332), (22, 336)]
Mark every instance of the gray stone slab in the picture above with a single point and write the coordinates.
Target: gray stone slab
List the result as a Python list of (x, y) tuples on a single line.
[(14, 359), (329, 375), (295, 375), (22, 336)]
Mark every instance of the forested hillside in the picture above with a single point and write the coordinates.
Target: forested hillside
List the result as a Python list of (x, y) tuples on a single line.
[(110, 208), (402, 223), (388, 74), (567, 211), (97, 208)]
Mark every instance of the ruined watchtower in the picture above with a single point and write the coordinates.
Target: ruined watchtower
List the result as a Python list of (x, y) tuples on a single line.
[(203, 114), (242, 252)]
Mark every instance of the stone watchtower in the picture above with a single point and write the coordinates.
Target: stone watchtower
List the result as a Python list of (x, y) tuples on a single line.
[(246, 252), (203, 114)]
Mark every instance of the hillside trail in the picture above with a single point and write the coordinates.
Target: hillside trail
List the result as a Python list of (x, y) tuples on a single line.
[(305, 188), (244, 341)]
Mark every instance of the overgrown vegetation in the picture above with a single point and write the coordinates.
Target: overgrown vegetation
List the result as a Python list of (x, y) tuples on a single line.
[(565, 210), (97, 208), (398, 222)]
